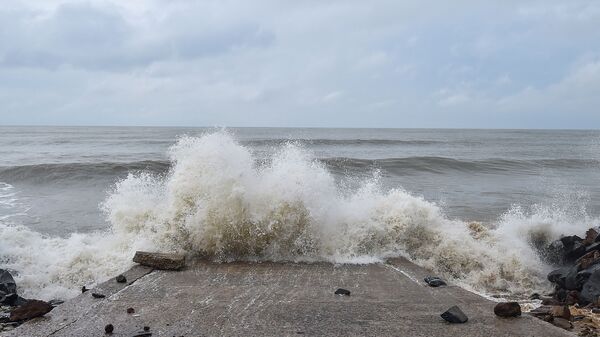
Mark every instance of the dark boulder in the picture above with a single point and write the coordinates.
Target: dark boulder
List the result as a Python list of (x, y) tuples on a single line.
[(7, 283), (454, 315), (572, 297), (554, 253), (507, 309), (341, 291), (434, 281), (570, 241), (31, 309), (9, 299), (565, 277), (591, 289)]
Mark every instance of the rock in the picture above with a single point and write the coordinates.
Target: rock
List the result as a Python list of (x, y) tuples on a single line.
[(541, 311), (570, 241), (96, 295), (561, 311), (146, 328), (554, 253), (535, 296), (7, 283), (595, 310), (84, 289), (31, 309), (454, 315), (109, 328), (588, 260), (434, 281), (130, 310), (507, 309), (565, 277), (558, 276), (162, 261), (121, 279), (574, 247), (594, 246), (562, 323), (550, 301), (590, 237), (572, 297), (591, 289), (9, 299), (341, 291)]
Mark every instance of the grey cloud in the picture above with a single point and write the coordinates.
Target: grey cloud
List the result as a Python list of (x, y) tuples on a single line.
[(99, 37)]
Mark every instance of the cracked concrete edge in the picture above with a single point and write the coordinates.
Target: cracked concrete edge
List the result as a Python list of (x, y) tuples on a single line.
[(72, 310)]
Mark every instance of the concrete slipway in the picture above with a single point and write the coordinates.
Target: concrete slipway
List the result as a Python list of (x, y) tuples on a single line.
[(279, 299)]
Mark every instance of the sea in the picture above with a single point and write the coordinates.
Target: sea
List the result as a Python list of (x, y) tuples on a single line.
[(474, 206)]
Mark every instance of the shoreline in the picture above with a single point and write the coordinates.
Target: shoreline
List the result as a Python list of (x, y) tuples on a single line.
[(278, 299)]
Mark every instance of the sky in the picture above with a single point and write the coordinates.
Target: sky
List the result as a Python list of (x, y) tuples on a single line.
[(310, 63)]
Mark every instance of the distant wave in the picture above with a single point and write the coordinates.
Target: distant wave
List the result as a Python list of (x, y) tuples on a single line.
[(339, 165), (78, 171), (337, 142), (443, 164)]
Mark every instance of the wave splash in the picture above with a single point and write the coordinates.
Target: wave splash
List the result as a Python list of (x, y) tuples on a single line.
[(216, 201)]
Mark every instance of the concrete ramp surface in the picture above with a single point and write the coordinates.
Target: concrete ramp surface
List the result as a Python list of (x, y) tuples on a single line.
[(279, 299)]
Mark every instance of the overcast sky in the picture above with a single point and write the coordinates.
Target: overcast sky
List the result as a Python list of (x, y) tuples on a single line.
[(502, 64)]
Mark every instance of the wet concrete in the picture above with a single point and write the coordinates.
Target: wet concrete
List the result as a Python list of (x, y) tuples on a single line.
[(271, 299)]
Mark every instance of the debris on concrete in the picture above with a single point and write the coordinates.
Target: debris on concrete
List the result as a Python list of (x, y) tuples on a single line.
[(341, 291), (96, 295), (121, 279), (454, 315), (109, 328), (434, 281)]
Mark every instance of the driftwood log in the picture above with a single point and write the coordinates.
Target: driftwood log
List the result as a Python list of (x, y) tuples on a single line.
[(163, 261)]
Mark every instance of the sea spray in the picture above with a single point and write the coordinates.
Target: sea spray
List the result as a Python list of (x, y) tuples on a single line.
[(218, 201)]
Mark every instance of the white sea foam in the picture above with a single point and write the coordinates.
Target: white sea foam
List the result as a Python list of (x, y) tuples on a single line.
[(217, 202)]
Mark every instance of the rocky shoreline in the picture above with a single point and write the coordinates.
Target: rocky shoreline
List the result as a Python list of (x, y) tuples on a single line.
[(575, 302)]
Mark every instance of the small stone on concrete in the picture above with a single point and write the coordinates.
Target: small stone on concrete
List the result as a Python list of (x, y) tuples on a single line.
[(121, 279), (109, 328), (434, 281), (455, 315), (84, 289), (341, 291), (130, 310), (96, 295)]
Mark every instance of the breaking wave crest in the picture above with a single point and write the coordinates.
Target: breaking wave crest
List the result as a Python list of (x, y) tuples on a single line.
[(218, 201)]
